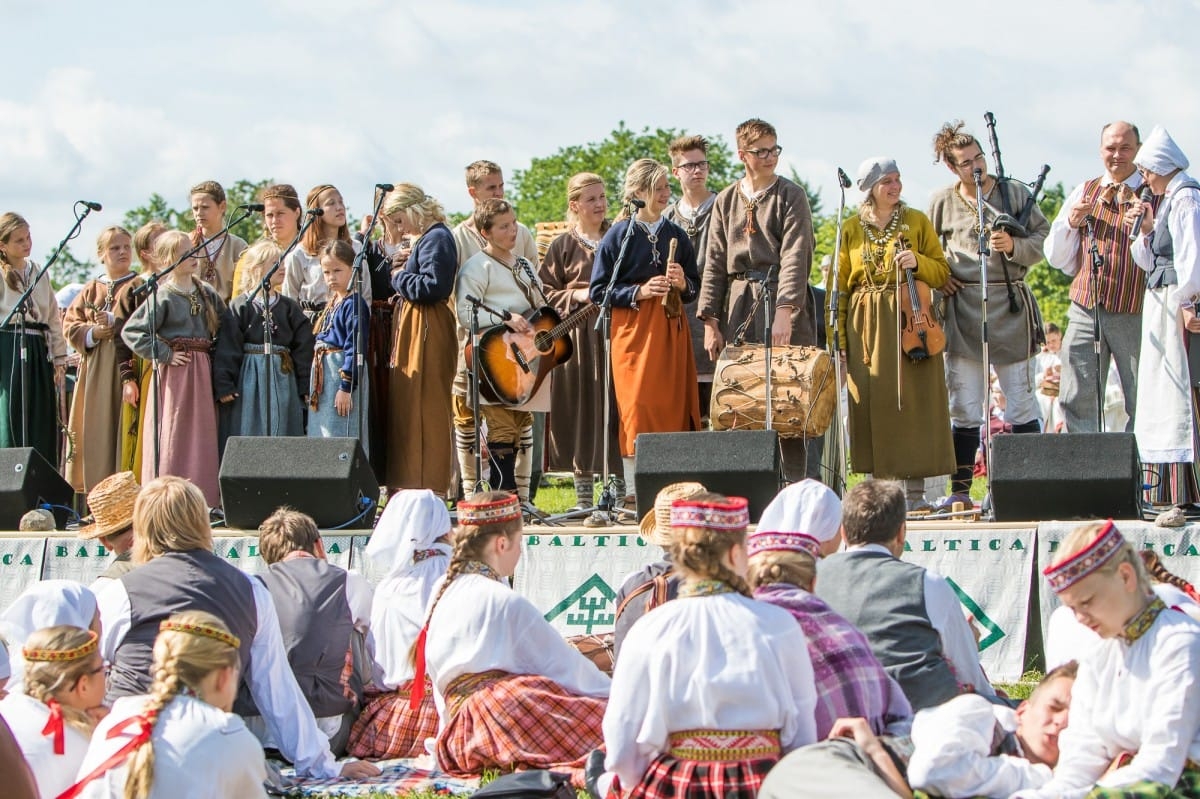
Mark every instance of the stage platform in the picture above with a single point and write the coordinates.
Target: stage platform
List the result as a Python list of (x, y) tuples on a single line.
[(572, 573)]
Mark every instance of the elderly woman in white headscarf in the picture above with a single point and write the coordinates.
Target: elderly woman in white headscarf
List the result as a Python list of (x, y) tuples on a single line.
[(48, 603), (411, 547), (899, 406), (1167, 247)]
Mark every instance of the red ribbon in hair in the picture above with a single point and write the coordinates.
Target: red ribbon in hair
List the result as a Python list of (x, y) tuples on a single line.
[(54, 726), (417, 693), (145, 728)]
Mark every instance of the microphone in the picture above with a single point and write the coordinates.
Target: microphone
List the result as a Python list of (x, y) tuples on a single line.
[(315, 212), (636, 203), (385, 187), (91, 205), (843, 178), (977, 174), (259, 207), (1144, 195)]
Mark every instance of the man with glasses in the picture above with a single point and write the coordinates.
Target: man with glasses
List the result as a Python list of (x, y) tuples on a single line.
[(1014, 323), (761, 226), (692, 212)]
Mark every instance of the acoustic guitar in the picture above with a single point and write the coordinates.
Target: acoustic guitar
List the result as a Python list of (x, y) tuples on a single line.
[(513, 366)]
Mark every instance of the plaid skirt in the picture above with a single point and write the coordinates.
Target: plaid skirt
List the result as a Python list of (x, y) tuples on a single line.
[(709, 764), (387, 728), (1188, 787), (517, 722)]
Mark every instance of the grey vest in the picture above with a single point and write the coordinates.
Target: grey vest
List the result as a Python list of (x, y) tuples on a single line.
[(885, 598), (315, 619), (1163, 247), (174, 582)]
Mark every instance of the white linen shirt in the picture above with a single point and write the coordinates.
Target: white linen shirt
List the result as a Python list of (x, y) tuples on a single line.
[(26, 717), (1061, 247), (1183, 223), (303, 280), (398, 614), (721, 662)]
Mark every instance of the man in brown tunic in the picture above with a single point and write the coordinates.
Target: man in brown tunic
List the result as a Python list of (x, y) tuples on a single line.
[(760, 224)]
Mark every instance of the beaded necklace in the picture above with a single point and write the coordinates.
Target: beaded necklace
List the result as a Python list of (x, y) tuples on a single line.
[(193, 297), (970, 206), (875, 245), (482, 569), (693, 588), (584, 241)]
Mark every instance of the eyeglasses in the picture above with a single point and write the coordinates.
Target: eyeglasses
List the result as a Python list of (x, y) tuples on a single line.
[(971, 162), (693, 166), (763, 153)]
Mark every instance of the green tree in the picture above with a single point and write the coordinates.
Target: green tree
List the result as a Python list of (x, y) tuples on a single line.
[(540, 192), (1049, 285), (69, 269)]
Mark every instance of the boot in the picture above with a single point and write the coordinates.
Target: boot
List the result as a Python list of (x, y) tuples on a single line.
[(504, 463), (966, 444)]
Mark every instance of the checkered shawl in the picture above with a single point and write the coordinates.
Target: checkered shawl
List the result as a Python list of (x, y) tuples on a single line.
[(1188, 787), (518, 722), (850, 680), (671, 778), (387, 728)]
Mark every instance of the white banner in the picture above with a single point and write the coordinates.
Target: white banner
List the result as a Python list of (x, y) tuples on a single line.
[(75, 559), (242, 551), (21, 561)]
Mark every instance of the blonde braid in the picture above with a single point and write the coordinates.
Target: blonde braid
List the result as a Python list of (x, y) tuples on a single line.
[(698, 551), (167, 685), (45, 679)]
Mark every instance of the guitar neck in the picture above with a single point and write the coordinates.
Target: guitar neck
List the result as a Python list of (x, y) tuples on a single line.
[(565, 326)]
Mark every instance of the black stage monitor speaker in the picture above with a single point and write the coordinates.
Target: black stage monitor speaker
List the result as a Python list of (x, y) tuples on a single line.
[(1073, 476), (743, 463), (27, 480), (330, 479)]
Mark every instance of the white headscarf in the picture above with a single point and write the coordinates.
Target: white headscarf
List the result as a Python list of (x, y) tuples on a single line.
[(413, 520), (872, 171), (48, 603), (1160, 154), (808, 507)]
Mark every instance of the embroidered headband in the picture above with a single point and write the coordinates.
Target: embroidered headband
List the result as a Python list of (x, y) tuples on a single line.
[(495, 512), (768, 541), (1107, 544), (64, 655), (206, 630), (732, 513)]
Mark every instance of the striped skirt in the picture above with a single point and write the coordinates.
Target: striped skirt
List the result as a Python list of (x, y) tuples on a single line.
[(387, 728), (709, 764), (517, 722)]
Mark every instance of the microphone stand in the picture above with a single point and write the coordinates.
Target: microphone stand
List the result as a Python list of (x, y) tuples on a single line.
[(1097, 262), (264, 286), (832, 294), (20, 310), (150, 286), (983, 251), (360, 358), (606, 511), (477, 305)]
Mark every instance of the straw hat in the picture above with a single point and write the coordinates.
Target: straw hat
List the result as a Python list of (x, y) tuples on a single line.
[(656, 524), (111, 503)]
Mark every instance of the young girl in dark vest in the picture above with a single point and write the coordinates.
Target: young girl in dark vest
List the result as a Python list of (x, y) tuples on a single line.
[(711, 688), (53, 717), (188, 316), (409, 551), (152, 746), (510, 691), (289, 363), (335, 409)]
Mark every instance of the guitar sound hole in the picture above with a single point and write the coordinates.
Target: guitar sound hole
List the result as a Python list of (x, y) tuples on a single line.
[(543, 341)]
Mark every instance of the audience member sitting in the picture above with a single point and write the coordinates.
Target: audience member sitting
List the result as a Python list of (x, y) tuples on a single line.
[(111, 504), (649, 587), (53, 716), (510, 692), (180, 740), (411, 546), (177, 571), (324, 612), (48, 603), (850, 680), (1135, 707), (910, 615), (806, 507), (971, 747)]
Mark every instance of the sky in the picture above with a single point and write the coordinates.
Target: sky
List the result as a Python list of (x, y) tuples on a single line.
[(115, 101)]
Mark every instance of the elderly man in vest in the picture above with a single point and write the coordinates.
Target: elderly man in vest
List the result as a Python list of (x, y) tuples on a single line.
[(324, 613), (177, 571), (910, 615), (1165, 247), (1111, 291)]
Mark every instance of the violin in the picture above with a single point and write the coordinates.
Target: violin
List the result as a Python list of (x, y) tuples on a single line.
[(921, 336)]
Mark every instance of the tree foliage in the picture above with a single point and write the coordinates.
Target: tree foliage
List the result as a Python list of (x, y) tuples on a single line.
[(540, 192), (1049, 285)]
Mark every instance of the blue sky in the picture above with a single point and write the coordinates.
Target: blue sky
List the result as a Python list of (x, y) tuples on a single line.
[(112, 102)]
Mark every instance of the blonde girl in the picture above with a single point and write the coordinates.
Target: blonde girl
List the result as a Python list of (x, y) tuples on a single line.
[(153, 746), (188, 317), (53, 717), (92, 327)]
